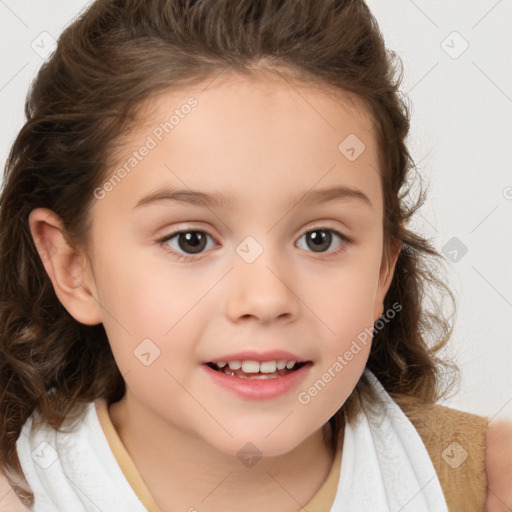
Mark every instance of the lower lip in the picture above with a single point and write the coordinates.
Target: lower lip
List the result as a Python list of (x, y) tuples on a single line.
[(259, 389)]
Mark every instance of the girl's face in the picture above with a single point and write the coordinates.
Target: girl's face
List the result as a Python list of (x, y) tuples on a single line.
[(274, 266)]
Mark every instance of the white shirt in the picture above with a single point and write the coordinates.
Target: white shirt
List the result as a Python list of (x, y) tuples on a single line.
[(74, 472)]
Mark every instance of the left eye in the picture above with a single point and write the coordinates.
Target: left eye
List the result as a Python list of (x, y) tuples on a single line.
[(319, 239)]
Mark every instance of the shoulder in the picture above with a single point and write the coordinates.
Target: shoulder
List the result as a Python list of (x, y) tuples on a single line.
[(498, 466)]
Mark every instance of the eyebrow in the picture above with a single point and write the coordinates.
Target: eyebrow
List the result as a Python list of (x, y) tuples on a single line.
[(219, 200)]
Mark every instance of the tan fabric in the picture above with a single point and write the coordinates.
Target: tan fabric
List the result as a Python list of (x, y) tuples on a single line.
[(324, 498), (123, 458), (455, 441)]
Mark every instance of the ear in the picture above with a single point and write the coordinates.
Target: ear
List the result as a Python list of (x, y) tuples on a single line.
[(67, 268), (387, 270)]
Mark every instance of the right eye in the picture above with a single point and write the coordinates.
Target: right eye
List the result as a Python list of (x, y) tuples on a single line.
[(192, 240)]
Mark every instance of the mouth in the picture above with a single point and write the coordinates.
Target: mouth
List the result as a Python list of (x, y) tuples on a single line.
[(247, 372), (253, 380)]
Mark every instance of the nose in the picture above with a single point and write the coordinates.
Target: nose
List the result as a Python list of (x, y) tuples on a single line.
[(261, 290)]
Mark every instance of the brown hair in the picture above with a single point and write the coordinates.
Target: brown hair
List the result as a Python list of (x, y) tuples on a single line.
[(108, 63)]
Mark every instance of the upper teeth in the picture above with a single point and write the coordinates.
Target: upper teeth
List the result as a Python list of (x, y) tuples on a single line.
[(255, 366)]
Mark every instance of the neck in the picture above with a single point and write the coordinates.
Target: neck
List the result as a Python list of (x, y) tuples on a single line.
[(182, 471)]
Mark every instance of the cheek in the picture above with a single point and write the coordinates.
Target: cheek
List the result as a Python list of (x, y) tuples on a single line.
[(344, 298), (344, 303), (345, 339), (146, 293), (150, 310)]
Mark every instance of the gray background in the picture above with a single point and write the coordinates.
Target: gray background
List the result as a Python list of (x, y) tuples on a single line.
[(461, 138)]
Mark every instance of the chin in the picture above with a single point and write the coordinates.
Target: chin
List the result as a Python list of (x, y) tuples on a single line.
[(257, 445)]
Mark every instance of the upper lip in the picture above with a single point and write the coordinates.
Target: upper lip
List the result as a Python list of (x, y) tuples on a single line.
[(252, 355)]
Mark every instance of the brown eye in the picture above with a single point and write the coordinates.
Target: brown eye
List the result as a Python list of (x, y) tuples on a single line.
[(188, 242), (319, 240), (193, 241)]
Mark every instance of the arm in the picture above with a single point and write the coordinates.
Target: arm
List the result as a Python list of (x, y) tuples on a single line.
[(9, 502), (498, 464)]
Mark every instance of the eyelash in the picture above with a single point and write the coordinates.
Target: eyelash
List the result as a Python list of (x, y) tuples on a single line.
[(188, 257)]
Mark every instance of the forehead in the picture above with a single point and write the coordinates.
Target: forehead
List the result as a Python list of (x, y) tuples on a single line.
[(267, 130), (259, 93)]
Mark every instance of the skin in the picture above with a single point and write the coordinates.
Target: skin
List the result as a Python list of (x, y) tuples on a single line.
[(267, 143), (498, 461)]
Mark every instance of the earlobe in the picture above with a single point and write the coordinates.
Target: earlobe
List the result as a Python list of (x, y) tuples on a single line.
[(65, 266), (386, 273)]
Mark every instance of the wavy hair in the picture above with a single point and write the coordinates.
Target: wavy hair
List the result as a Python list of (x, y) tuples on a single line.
[(113, 58)]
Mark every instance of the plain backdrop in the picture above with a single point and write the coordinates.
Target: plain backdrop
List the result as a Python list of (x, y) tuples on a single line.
[(458, 79)]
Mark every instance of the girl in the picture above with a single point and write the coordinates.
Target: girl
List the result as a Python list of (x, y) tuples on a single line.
[(210, 299)]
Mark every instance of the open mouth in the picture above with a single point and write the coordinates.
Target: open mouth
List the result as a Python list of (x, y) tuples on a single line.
[(258, 375)]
